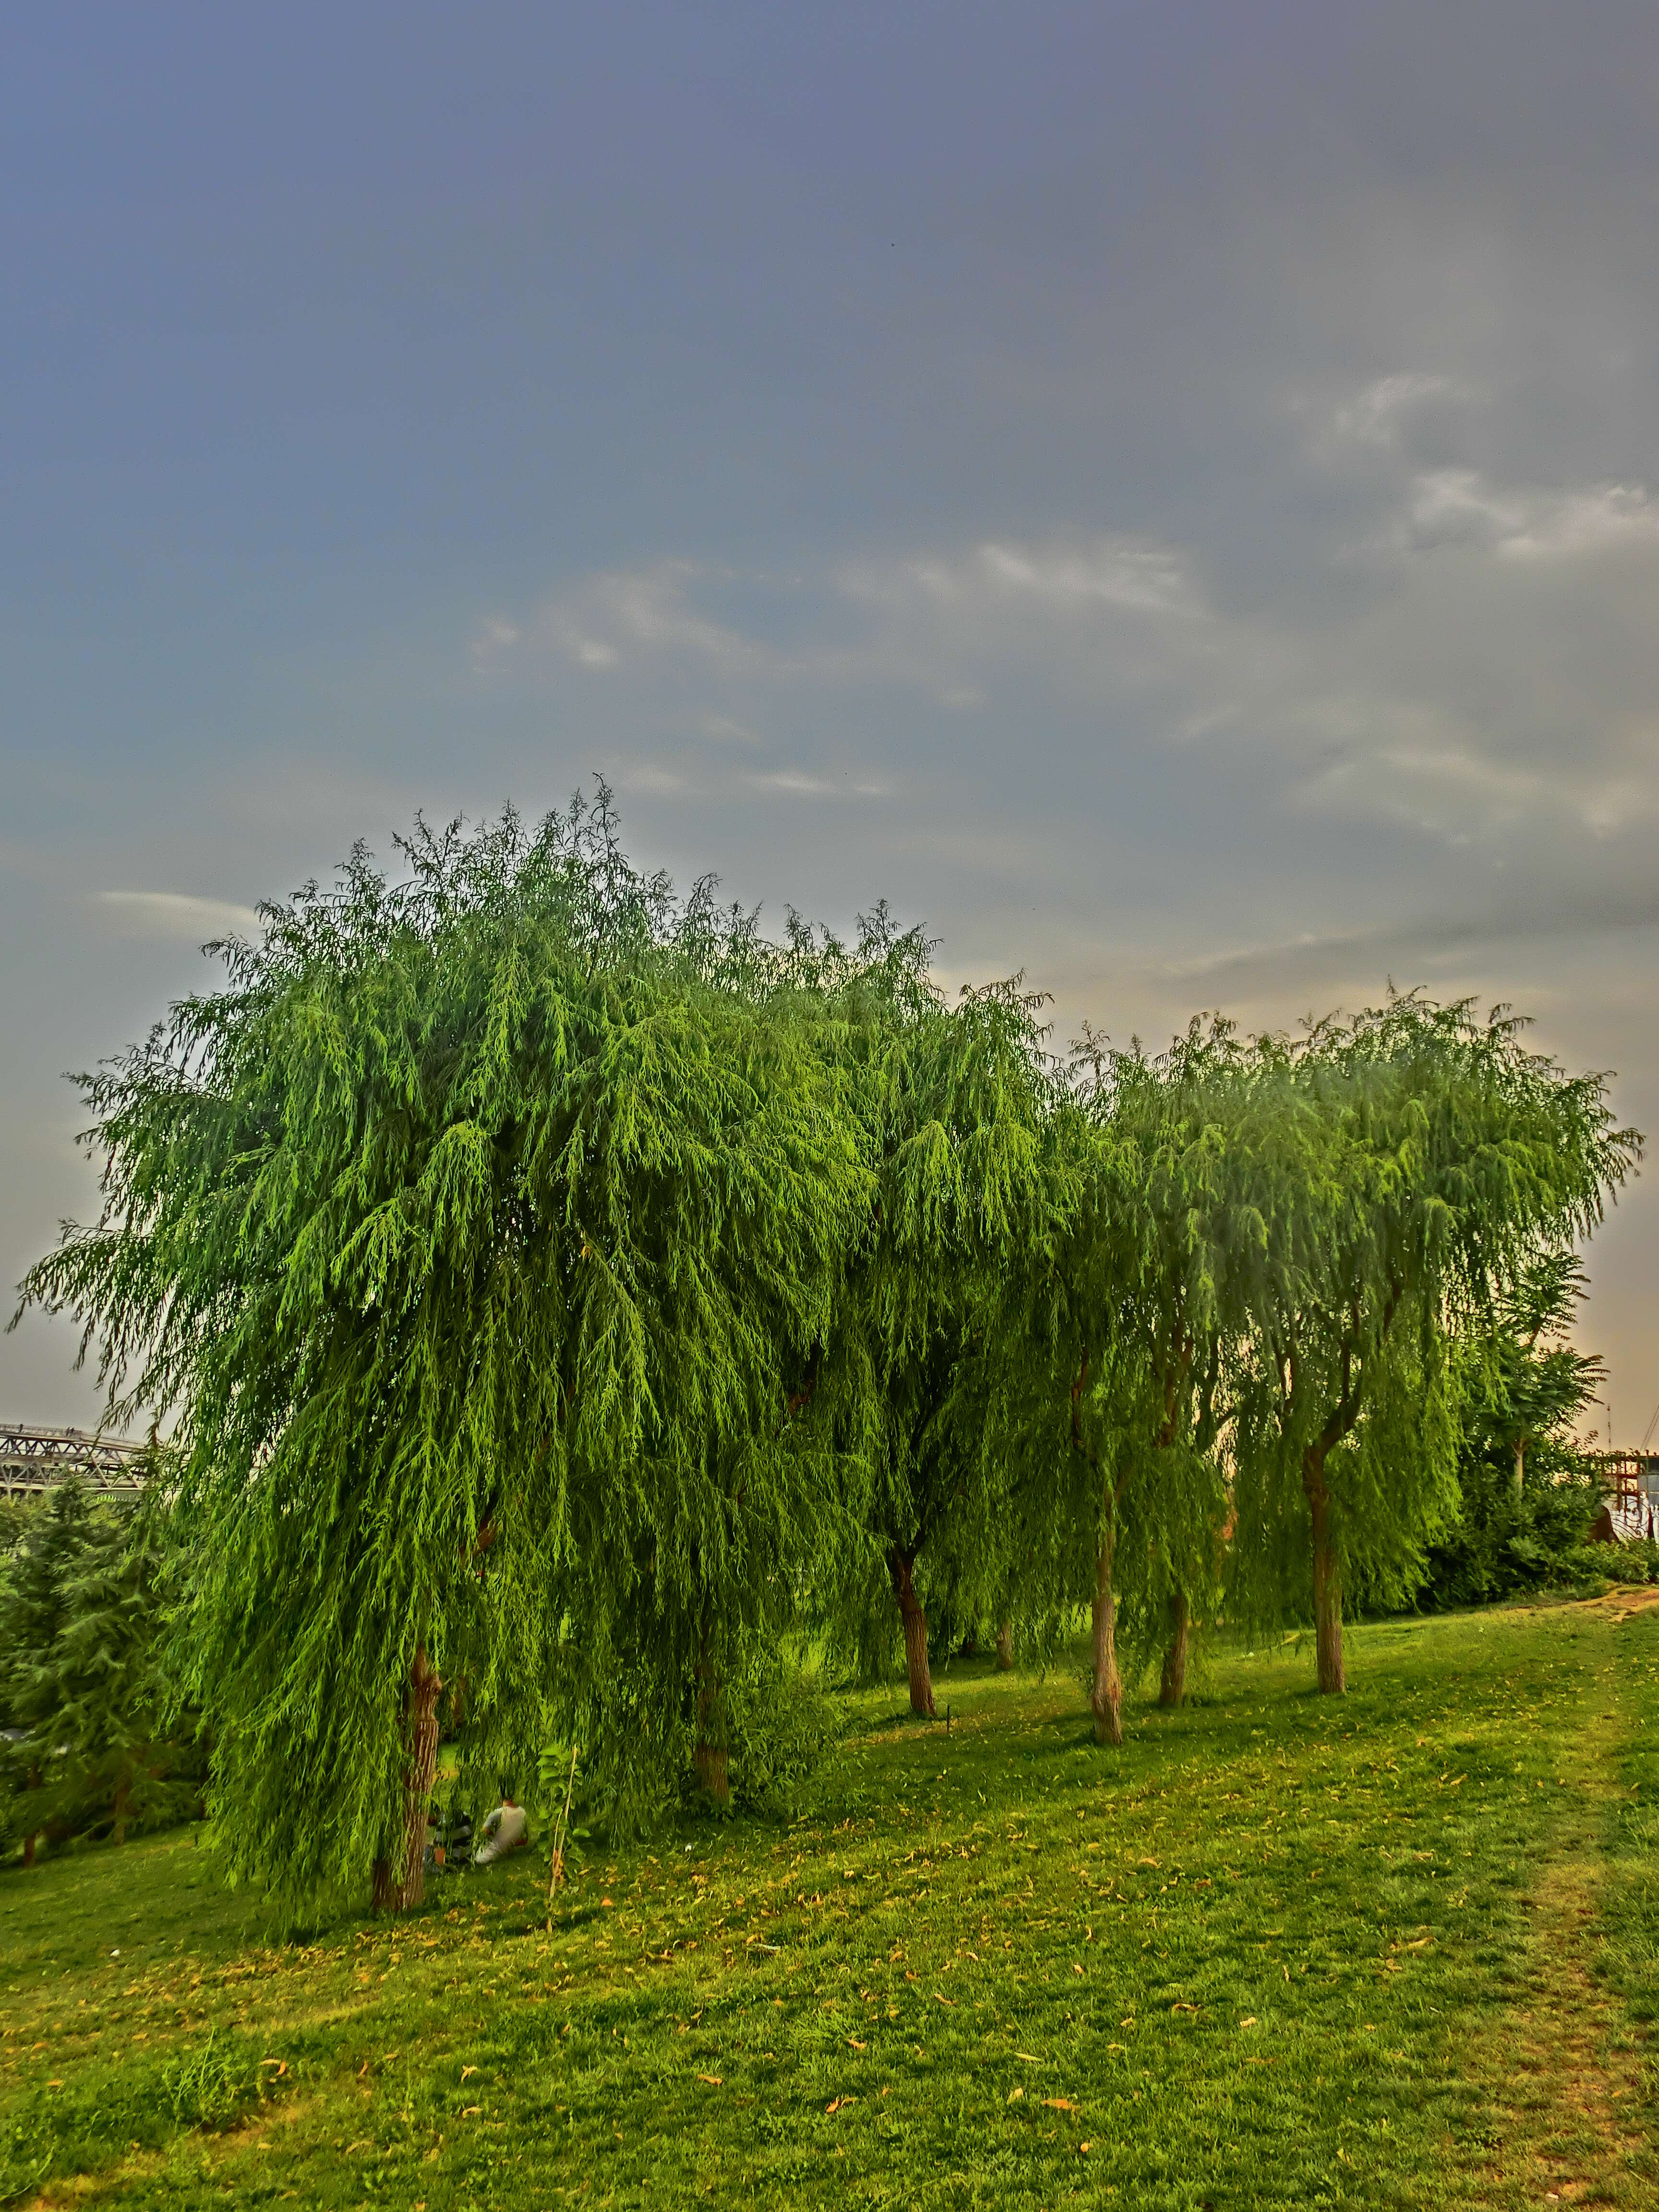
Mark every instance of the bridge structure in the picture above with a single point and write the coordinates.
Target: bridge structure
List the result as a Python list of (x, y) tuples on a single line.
[(34, 1461)]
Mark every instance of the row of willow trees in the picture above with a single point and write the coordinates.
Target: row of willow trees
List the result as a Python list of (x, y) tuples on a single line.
[(560, 1297)]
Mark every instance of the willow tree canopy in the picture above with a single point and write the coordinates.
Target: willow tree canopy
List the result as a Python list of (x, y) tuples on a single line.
[(480, 1237)]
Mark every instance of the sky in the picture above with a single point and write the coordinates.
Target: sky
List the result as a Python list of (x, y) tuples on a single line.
[(1167, 495)]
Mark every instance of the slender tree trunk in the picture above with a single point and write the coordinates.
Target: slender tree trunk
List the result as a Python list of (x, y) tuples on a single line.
[(712, 1753), (1004, 1647), (1173, 1687), (123, 1800), (1326, 1583), (420, 1770), (911, 1613), (1106, 1700), (1520, 1465), (34, 1783)]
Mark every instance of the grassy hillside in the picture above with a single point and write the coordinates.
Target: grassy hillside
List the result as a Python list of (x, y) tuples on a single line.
[(1393, 1950)]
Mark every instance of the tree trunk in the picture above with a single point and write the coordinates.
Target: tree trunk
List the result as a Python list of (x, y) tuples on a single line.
[(1173, 1687), (28, 1847), (1004, 1647), (1327, 1586), (1106, 1700), (122, 1800), (1520, 1465), (383, 1893), (711, 1754), (915, 1633), (420, 1770)]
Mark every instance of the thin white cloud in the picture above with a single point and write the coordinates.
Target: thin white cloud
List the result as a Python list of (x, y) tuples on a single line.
[(796, 783), (1062, 581), (493, 641), (724, 730), (1605, 517), (1380, 412), (176, 914), (647, 613), (1462, 507)]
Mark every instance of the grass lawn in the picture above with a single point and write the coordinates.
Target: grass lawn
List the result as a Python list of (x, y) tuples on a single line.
[(1398, 1948)]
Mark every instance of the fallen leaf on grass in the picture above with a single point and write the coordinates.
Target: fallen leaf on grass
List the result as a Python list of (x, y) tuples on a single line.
[(1059, 2104), (840, 2103), (281, 2065), (1248, 2021), (1179, 2007), (1083, 2146), (713, 2080), (938, 1999), (854, 2043), (471, 2111), (1076, 1969), (1029, 2057), (1013, 2094), (466, 2070)]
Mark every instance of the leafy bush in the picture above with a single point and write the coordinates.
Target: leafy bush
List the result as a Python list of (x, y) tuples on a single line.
[(783, 1724), (1506, 1542), (1529, 1495)]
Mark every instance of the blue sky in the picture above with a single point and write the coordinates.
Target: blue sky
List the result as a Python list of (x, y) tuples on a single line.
[(1167, 495)]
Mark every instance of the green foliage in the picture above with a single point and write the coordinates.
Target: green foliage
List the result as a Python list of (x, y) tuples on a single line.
[(953, 1102), (482, 1235), (1527, 1495), (1109, 1386), (558, 1285), (102, 1744), (1409, 1166), (783, 1726), (207, 2088)]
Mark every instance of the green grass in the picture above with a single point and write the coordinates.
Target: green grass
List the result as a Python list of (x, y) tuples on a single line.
[(1399, 1948)]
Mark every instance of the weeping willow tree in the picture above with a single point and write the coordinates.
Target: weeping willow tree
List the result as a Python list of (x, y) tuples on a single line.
[(481, 1239), (1112, 1380), (952, 1100), (1405, 1169)]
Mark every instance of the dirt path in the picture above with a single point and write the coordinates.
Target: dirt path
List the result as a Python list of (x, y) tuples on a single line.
[(1567, 2079)]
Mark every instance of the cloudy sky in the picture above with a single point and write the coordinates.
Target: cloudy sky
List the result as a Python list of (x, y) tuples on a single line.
[(1166, 495)]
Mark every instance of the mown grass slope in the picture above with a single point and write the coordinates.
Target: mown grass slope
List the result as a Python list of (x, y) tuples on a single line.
[(1398, 1948)]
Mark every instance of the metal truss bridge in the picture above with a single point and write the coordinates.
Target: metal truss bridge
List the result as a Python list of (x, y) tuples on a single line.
[(34, 1461)]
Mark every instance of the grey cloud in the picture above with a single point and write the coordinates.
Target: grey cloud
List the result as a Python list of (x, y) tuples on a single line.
[(1174, 508)]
